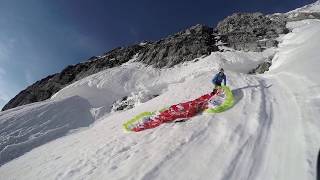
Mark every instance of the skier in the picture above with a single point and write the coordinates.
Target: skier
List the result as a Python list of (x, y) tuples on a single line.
[(218, 78)]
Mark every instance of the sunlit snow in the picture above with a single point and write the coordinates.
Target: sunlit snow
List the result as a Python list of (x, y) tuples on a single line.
[(271, 133)]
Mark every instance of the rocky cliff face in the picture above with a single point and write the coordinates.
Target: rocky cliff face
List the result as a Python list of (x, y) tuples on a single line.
[(183, 46), (242, 31), (251, 31), (180, 47)]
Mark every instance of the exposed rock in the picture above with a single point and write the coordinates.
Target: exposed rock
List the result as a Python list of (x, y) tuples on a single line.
[(295, 16), (303, 15), (241, 31), (263, 67), (45, 88), (183, 46), (122, 104), (250, 31), (129, 102), (180, 47)]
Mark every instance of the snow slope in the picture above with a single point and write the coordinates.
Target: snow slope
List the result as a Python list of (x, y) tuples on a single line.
[(272, 132), (27, 127), (313, 7)]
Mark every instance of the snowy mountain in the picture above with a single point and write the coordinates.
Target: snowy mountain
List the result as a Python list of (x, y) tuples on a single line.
[(272, 132), (309, 11), (241, 31), (314, 7)]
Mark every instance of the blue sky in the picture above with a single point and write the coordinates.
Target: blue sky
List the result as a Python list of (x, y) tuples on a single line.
[(41, 37)]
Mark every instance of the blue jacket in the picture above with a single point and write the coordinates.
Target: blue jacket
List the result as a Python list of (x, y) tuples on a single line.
[(218, 78)]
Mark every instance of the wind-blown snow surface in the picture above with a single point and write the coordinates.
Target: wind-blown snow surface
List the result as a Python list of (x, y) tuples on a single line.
[(27, 127), (272, 132)]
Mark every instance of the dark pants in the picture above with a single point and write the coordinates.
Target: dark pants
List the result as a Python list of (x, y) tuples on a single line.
[(216, 86)]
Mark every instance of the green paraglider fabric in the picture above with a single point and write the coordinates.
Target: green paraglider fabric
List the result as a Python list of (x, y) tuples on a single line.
[(137, 118), (227, 104)]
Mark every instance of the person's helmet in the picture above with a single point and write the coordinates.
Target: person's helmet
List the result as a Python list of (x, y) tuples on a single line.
[(221, 70)]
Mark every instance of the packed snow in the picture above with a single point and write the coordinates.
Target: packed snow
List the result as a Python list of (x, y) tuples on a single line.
[(272, 132)]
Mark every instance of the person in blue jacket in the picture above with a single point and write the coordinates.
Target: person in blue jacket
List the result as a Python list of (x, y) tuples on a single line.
[(218, 78)]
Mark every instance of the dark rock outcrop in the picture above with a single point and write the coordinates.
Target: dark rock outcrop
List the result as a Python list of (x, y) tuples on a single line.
[(183, 46), (244, 31), (45, 88), (302, 15), (295, 16), (180, 47), (130, 102), (250, 31), (261, 68)]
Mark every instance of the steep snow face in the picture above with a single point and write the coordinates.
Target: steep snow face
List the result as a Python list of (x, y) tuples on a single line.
[(272, 132), (296, 68), (27, 127)]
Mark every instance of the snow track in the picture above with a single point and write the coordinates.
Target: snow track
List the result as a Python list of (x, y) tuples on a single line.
[(286, 130), (253, 135)]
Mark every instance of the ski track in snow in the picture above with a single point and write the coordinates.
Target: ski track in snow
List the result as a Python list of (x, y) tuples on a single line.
[(253, 145), (272, 131)]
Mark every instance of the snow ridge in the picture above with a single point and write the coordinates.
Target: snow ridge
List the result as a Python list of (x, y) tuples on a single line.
[(314, 7)]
